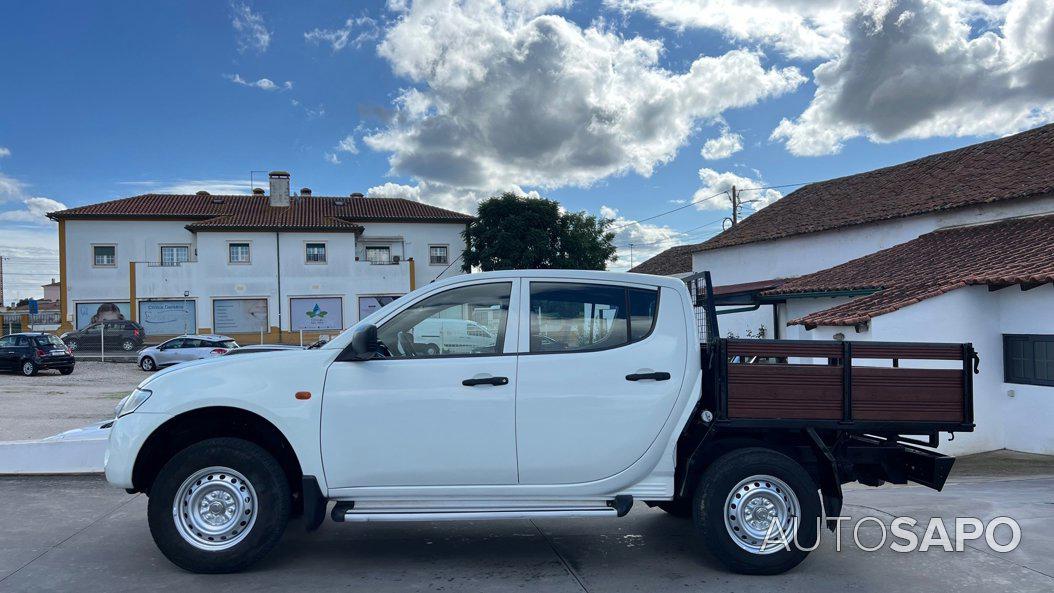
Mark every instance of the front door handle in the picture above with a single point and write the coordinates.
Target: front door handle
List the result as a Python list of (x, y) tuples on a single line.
[(485, 381), (660, 376)]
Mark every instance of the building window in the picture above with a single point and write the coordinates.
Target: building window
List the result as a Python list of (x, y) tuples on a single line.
[(173, 255), (105, 255), (316, 253), (238, 253), (379, 255), (1028, 359), (438, 255)]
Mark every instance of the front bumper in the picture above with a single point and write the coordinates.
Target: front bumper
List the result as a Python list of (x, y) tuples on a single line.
[(127, 436)]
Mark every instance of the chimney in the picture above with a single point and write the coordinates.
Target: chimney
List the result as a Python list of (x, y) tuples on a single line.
[(279, 188), (305, 191)]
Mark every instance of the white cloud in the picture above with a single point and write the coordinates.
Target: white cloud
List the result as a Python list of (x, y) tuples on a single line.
[(505, 95), (190, 186), (722, 147), (4, 151), (720, 184), (249, 29), (10, 188), (925, 68), (347, 144), (265, 84), (805, 29), (365, 30), (648, 239), (332, 158), (34, 211)]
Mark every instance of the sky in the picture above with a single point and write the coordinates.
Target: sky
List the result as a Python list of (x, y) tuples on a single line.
[(626, 109)]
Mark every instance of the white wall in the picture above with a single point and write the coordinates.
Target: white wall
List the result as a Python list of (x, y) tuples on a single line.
[(210, 275), (972, 314), (803, 254)]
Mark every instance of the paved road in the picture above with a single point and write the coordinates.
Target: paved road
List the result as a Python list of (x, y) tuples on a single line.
[(78, 534)]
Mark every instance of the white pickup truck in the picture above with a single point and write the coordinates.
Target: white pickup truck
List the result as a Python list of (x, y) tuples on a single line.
[(596, 390)]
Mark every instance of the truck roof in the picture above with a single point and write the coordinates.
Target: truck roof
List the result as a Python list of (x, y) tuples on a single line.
[(602, 276)]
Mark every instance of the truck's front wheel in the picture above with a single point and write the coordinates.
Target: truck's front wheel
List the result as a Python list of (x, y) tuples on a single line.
[(750, 503), (219, 505)]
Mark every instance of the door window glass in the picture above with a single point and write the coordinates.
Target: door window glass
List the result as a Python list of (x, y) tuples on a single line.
[(462, 321), (7, 342), (93, 329), (569, 317), (176, 343)]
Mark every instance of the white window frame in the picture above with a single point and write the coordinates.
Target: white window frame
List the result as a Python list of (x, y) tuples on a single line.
[(231, 262), (387, 248), (94, 258), (444, 263), (325, 253), (163, 246)]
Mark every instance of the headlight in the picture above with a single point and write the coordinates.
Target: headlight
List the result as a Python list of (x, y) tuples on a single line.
[(130, 403)]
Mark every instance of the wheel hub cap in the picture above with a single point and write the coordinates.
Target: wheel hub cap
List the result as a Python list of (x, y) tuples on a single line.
[(757, 506), (214, 508)]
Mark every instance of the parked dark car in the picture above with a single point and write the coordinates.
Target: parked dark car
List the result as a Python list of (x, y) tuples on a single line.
[(120, 335), (28, 353)]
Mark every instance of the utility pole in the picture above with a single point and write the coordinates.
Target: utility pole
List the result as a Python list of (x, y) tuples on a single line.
[(2, 281), (631, 255), (736, 205)]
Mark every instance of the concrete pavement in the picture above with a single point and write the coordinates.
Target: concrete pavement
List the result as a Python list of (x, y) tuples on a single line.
[(78, 534)]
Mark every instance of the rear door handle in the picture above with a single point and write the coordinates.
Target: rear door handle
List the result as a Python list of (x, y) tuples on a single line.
[(659, 376), (485, 381)]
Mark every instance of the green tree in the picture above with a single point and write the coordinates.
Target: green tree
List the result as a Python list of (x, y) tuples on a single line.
[(513, 232)]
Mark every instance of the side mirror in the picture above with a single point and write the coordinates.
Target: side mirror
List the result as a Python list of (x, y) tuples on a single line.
[(363, 345)]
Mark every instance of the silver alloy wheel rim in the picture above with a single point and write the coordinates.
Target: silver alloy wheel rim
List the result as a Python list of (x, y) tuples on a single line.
[(27, 369), (753, 505), (128, 345), (148, 364), (73, 345), (214, 509)]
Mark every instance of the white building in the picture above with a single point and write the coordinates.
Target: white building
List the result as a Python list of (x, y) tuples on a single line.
[(910, 253), (256, 265)]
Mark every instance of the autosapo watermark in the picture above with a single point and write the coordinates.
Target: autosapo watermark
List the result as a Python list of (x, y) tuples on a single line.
[(902, 534)]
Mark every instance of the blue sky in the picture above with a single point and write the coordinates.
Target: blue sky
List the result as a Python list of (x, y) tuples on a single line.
[(448, 102)]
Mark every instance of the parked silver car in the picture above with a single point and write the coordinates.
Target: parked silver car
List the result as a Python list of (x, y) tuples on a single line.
[(184, 348)]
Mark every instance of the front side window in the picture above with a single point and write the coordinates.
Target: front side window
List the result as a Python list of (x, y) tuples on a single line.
[(7, 342), (570, 317), (238, 253), (173, 255), (438, 255), (378, 255), (105, 255), (316, 253), (463, 321), (1028, 359)]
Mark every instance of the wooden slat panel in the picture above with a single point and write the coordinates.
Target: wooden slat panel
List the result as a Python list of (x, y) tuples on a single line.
[(907, 350), (899, 394), (784, 391), (784, 348)]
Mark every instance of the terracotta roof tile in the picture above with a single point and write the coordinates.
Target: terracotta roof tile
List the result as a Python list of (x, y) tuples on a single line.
[(1017, 166), (1015, 251), (675, 260), (223, 212)]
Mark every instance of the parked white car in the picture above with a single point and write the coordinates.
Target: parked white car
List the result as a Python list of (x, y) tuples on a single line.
[(183, 349), (624, 404), (451, 336)]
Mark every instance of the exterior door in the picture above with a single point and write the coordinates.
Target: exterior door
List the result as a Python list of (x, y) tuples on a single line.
[(170, 351), (92, 337), (7, 353), (603, 368), (420, 419)]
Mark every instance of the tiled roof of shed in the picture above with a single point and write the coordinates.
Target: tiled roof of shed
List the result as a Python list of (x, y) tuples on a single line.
[(1015, 251), (675, 260)]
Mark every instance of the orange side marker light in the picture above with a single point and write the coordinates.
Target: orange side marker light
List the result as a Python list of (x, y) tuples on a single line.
[(303, 395)]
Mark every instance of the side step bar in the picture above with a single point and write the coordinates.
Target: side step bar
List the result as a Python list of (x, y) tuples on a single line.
[(344, 512)]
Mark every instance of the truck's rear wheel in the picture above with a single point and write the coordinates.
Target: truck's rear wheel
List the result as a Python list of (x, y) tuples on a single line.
[(219, 505), (743, 497)]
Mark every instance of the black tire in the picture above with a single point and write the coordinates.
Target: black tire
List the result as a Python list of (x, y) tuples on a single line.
[(128, 345), (431, 350), (148, 364), (716, 487), (66, 370), (28, 368), (678, 507), (273, 501)]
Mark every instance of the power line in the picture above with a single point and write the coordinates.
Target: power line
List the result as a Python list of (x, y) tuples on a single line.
[(692, 203)]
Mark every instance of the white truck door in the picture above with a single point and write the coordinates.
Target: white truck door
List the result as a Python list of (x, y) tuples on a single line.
[(603, 367), (427, 420)]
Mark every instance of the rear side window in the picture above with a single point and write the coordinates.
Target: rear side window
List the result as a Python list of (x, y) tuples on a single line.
[(228, 344), (572, 317), (50, 341)]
